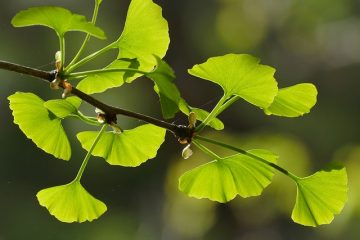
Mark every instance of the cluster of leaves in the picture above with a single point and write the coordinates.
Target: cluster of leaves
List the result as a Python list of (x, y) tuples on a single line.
[(142, 45)]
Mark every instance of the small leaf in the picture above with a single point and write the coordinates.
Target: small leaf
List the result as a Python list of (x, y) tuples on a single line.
[(145, 33), (57, 18), (319, 197), (63, 108), (293, 101), (201, 114), (39, 124), (71, 203), (240, 75), (169, 94), (129, 148), (222, 179), (100, 82)]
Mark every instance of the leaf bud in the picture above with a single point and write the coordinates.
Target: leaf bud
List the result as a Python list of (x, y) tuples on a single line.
[(187, 152)]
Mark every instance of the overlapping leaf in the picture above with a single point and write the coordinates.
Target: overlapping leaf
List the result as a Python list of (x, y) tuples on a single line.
[(145, 33), (319, 197), (129, 148), (71, 203), (293, 101), (57, 18), (39, 124), (63, 107), (240, 75), (222, 179)]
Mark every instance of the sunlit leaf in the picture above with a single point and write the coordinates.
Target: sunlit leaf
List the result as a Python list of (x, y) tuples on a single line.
[(100, 82), (129, 148), (169, 94), (201, 114), (222, 179), (71, 203), (39, 124), (63, 107), (240, 75), (145, 33), (320, 196), (293, 101), (57, 18)]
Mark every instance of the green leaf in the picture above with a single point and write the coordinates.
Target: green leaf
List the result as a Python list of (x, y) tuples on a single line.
[(319, 197), (222, 179), (201, 114), (240, 75), (169, 94), (145, 33), (63, 107), (100, 82), (71, 203), (129, 148), (57, 18), (39, 124), (293, 101)]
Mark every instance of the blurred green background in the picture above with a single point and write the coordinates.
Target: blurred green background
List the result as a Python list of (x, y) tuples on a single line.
[(314, 41)]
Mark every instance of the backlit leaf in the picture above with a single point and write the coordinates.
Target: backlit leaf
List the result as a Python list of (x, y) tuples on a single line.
[(240, 75), (71, 203), (39, 124), (57, 18), (222, 179), (145, 33), (293, 101), (319, 197), (129, 148), (63, 107)]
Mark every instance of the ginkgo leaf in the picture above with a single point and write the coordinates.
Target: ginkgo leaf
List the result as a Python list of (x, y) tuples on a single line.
[(71, 203), (39, 124), (100, 82), (319, 197), (145, 33), (240, 75), (222, 179), (57, 18), (293, 101), (201, 114), (129, 148), (169, 94), (63, 107)]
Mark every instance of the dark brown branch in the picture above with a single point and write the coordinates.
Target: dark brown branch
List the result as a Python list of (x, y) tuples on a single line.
[(183, 133)]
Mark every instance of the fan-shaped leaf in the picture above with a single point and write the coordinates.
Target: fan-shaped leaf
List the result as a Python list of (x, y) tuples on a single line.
[(39, 124), (240, 75), (222, 179), (319, 197), (63, 107), (71, 203), (57, 18), (293, 101), (129, 148), (145, 33)]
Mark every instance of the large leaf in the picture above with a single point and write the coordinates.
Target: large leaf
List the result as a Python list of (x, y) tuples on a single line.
[(71, 203), (169, 94), (57, 18), (293, 101), (222, 179), (319, 197), (39, 124), (240, 75), (63, 107), (129, 148), (100, 82), (145, 33), (201, 115)]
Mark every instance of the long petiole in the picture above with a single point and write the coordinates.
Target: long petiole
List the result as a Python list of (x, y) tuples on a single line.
[(86, 40), (206, 150), (86, 119), (241, 151), (97, 71), (62, 51), (88, 155), (212, 114), (227, 104)]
